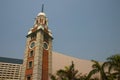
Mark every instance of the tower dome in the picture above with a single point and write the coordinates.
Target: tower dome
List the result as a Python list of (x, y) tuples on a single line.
[(41, 14)]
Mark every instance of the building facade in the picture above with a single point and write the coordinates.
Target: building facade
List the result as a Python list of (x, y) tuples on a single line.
[(10, 69)]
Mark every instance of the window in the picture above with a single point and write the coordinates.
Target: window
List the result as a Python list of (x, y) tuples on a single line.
[(31, 53), (30, 64), (28, 77), (36, 21), (41, 20)]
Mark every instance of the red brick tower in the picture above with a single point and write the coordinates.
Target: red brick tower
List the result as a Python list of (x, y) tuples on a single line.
[(37, 63)]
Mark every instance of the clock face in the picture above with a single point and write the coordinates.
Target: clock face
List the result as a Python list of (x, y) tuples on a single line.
[(45, 45), (32, 44)]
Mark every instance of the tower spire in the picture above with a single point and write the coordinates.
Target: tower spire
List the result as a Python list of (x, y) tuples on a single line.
[(42, 8)]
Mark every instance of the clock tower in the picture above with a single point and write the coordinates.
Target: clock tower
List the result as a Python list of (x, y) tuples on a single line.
[(37, 64)]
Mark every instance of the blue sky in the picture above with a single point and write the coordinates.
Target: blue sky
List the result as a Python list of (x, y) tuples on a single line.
[(86, 29)]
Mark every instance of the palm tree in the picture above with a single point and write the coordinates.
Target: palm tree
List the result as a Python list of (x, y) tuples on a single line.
[(113, 64), (69, 73), (97, 67)]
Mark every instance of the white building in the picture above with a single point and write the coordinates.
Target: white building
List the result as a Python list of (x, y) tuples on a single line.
[(10, 69)]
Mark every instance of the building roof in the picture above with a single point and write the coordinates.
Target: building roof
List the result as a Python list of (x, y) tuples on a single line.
[(59, 61), (11, 60)]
